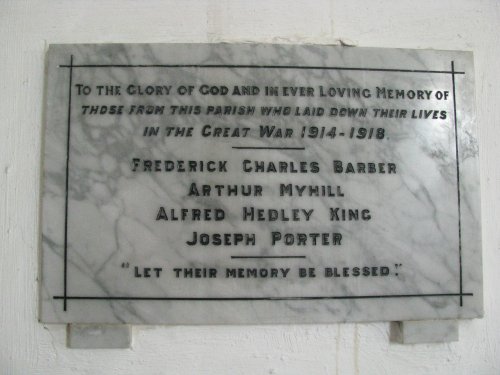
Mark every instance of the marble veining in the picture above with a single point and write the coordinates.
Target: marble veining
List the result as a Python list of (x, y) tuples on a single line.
[(111, 255)]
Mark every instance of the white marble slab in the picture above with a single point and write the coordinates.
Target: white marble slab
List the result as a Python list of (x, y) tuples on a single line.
[(112, 252)]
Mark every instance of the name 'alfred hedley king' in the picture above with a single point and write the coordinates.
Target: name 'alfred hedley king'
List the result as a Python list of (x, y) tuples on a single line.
[(260, 214)]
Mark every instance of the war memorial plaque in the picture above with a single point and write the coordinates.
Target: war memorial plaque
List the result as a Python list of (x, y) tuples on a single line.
[(200, 184)]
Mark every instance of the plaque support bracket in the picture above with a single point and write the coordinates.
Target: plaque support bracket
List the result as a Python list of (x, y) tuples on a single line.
[(424, 331), (119, 336), (99, 336)]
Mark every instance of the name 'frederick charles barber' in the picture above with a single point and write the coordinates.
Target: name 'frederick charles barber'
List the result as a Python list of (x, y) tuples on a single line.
[(260, 166)]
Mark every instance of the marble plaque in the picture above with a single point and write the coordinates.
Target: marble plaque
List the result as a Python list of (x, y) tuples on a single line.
[(202, 184)]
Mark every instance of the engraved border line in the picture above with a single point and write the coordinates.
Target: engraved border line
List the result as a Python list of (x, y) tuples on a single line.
[(458, 181), (215, 66), (71, 66), (65, 281), (264, 298)]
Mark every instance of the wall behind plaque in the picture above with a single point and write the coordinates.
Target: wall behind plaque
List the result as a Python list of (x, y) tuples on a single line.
[(26, 27)]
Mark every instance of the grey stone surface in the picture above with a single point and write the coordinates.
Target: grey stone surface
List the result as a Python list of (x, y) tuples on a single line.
[(99, 336), (114, 252), (424, 331)]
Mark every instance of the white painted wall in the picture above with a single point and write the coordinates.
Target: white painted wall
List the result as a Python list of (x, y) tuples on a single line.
[(27, 347)]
